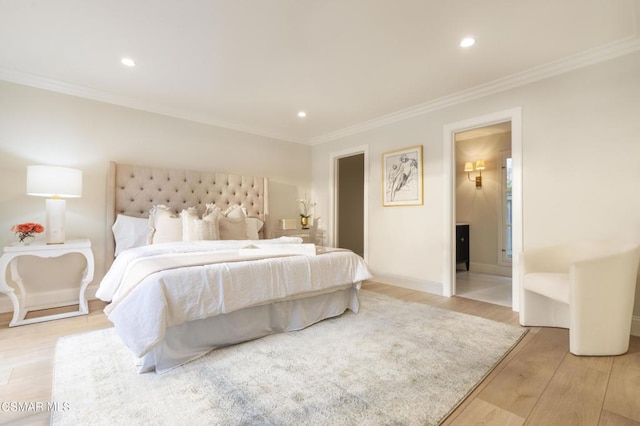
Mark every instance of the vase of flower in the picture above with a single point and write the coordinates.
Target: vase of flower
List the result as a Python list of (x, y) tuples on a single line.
[(26, 241), (26, 232), (305, 212), (304, 222)]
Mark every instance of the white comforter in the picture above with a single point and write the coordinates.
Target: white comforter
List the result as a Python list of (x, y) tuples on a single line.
[(144, 306)]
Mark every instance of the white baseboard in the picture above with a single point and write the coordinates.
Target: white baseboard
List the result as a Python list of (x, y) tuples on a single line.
[(485, 268), (410, 283), (49, 299)]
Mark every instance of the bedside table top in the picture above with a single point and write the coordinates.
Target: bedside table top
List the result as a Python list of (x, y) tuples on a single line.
[(42, 246)]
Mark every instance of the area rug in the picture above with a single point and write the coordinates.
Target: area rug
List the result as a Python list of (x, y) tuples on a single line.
[(394, 362)]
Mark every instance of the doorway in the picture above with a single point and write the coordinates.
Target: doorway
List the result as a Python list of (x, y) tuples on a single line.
[(513, 115), (483, 213), (350, 203), (349, 207)]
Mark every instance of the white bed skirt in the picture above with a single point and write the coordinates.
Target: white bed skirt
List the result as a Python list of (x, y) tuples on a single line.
[(194, 339)]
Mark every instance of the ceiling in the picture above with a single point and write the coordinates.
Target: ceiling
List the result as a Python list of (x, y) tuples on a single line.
[(251, 65)]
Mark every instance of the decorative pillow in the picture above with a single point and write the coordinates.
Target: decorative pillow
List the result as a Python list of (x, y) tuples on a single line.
[(165, 226), (232, 229), (194, 228), (211, 211), (233, 223), (130, 232), (235, 212)]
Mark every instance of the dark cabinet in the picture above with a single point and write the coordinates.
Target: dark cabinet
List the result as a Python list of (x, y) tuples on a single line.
[(462, 244)]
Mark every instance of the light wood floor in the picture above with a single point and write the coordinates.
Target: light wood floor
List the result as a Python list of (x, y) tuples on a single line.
[(538, 383)]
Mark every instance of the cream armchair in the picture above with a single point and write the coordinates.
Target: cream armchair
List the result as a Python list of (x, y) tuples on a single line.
[(588, 288)]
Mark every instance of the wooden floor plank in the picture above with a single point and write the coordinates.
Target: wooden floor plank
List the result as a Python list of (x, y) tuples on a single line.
[(489, 379), (521, 383), (622, 396), (484, 413), (575, 394), (607, 418)]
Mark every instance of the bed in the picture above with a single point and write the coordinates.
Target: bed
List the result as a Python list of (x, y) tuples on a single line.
[(175, 299)]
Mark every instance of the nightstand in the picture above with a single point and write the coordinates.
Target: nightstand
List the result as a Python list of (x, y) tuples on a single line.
[(311, 235), (10, 259)]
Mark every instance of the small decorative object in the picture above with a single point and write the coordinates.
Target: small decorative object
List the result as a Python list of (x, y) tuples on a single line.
[(304, 222), (402, 177), (305, 212), (24, 231)]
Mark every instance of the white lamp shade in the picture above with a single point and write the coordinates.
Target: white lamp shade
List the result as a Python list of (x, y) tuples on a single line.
[(468, 167), (480, 165), (50, 181)]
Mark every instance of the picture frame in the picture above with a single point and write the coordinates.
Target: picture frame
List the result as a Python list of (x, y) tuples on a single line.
[(402, 177)]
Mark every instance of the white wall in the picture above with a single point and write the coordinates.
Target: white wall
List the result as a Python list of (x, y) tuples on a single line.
[(42, 127), (581, 144)]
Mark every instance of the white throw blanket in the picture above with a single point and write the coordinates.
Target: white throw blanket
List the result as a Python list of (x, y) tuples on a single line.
[(142, 309), (125, 260)]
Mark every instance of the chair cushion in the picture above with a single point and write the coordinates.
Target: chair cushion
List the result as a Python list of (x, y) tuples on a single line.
[(552, 285)]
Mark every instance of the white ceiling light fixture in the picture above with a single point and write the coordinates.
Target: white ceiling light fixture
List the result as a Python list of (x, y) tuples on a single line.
[(302, 114), (467, 42), (128, 62)]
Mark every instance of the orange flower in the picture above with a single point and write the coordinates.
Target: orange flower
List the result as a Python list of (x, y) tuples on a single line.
[(25, 230), (25, 227)]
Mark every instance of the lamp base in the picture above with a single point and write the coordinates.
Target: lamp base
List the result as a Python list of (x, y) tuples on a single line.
[(55, 226)]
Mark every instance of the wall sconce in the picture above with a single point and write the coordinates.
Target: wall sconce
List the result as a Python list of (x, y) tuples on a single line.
[(468, 167), (57, 183)]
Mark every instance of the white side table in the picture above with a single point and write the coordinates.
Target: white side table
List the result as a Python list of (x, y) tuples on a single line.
[(10, 258)]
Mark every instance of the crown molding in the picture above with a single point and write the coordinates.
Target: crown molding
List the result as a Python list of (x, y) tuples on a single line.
[(604, 53), (97, 95), (589, 57)]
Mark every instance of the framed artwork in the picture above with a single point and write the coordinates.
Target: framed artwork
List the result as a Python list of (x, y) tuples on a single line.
[(402, 177)]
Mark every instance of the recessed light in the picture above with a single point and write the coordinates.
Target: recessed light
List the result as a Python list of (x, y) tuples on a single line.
[(128, 62), (467, 42), (302, 114)]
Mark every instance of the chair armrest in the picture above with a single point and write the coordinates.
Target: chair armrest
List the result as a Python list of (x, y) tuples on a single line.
[(604, 284)]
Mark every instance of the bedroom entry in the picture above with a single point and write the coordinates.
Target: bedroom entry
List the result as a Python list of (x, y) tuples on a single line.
[(349, 186), (468, 174), (350, 195), (483, 213)]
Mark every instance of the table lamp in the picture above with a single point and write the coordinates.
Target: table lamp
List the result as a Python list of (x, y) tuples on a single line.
[(56, 183)]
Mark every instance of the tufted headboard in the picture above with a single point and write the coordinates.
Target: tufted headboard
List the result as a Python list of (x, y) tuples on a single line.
[(133, 190)]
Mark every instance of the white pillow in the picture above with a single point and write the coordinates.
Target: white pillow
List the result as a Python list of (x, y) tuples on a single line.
[(166, 226), (194, 228), (130, 232), (235, 212), (212, 210), (254, 225)]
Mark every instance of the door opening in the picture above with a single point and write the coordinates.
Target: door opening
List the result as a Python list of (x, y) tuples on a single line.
[(513, 115), (348, 198), (350, 203), (481, 210)]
